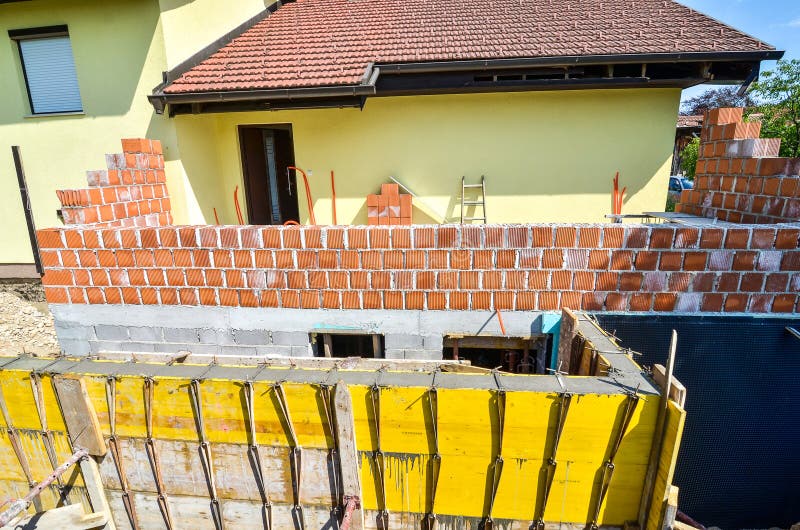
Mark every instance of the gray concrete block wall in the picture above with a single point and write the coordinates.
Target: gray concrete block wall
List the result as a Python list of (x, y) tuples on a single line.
[(93, 329)]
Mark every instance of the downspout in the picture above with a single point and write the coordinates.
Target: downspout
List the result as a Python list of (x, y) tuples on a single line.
[(26, 206)]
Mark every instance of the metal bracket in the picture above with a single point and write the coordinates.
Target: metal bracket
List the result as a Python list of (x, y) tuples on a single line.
[(255, 454), (608, 467), (152, 454), (326, 393), (46, 433), (113, 446), (295, 456), (435, 462), (497, 468), (378, 457), (205, 453), (550, 470)]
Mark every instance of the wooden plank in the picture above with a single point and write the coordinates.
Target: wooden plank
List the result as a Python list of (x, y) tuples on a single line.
[(348, 452), (327, 344), (677, 392), (567, 331), (377, 349), (488, 342), (670, 509), (69, 517), (79, 415), (97, 494)]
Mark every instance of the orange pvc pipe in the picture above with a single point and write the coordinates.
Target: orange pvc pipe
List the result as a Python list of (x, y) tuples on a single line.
[(216, 217), (311, 216), (333, 198), (236, 204), (500, 321)]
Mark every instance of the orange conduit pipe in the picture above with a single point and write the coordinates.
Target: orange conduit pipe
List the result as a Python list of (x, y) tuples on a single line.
[(500, 321), (236, 204), (216, 217), (333, 198), (311, 216)]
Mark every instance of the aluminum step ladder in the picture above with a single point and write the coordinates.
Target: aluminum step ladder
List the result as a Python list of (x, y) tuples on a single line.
[(481, 202)]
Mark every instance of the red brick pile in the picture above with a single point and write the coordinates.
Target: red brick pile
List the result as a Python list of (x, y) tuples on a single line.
[(739, 176), (131, 192), (389, 207)]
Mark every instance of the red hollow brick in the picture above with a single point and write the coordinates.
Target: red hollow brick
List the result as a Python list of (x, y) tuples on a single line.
[(188, 297)]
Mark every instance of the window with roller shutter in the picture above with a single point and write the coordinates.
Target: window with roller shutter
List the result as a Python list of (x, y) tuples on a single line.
[(49, 69)]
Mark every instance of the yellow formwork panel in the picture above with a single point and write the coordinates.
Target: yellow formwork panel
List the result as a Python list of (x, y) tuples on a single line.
[(673, 433), (467, 425)]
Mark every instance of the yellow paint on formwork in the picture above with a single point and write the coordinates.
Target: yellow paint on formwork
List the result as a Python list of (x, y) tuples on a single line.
[(468, 434), (667, 461)]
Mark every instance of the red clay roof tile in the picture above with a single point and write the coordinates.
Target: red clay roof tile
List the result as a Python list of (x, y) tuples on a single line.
[(310, 43)]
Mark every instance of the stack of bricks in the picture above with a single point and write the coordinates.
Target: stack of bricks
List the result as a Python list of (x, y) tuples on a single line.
[(131, 192), (636, 268), (739, 176), (389, 208)]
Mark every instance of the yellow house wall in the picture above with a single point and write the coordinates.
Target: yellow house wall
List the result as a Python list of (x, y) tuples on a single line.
[(191, 26), (121, 49), (547, 156)]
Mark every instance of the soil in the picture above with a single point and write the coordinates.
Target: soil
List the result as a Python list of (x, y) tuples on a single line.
[(26, 326)]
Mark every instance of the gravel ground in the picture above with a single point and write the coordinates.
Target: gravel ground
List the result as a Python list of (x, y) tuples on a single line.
[(25, 327)]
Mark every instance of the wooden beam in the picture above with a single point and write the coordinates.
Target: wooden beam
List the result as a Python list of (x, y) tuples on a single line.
[(488, 342), (348, 453), (670, 509), (327, 344), (377, 349), (567, 331), (70, 517), (97, 494), (79, 415), (677, 392)]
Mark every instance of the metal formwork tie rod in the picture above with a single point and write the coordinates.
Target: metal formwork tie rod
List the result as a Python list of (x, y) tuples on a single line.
[(378, 457), (326, 393), (436, 457), (552, 463), (608, 467), (116, 456), (295, 456), (255, 454), (22, 504), (205, 453), (152, 454), (47, 435)]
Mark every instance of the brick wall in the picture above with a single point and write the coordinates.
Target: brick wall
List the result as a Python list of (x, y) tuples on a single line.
[(130, 192), (134, 256), (537, 267), (739, 176)]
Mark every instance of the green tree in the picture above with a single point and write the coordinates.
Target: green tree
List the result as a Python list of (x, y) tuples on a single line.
[(716, 98), (689, 157), (779, 92)]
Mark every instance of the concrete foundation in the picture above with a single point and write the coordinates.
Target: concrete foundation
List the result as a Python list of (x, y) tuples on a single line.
[(92, 329)]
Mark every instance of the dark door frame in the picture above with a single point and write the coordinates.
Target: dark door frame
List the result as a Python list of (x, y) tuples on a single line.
[(243, 157)]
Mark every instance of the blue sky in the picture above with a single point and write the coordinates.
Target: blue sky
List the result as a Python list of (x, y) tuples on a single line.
[(774, 21)]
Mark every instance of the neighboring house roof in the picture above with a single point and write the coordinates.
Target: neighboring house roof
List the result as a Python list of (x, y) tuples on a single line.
[(335, 43), (690, 122)]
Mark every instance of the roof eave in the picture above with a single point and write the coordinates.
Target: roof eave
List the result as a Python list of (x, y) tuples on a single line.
[(160, 99)]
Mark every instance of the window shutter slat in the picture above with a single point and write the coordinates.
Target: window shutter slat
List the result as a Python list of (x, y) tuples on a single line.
[(50, 70)]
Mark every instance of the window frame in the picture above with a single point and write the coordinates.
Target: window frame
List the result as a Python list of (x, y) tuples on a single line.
[(43, 32)]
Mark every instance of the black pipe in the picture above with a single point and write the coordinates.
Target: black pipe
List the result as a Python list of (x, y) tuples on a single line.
[(26, 205)]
